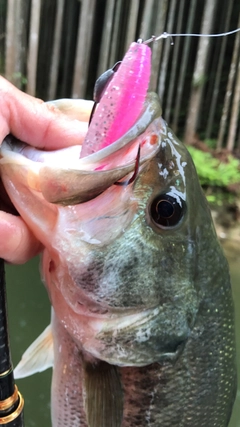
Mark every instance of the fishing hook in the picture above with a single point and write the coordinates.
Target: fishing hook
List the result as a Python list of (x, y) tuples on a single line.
[(134, 175)]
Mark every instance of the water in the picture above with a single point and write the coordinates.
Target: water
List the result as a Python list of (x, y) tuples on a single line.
[(29, 314)]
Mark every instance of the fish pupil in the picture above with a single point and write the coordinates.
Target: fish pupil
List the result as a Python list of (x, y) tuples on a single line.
[(167, 211)]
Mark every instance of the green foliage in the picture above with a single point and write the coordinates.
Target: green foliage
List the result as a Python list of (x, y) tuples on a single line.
[(211, 143), (212, 172), (217, 197), (19, 76)]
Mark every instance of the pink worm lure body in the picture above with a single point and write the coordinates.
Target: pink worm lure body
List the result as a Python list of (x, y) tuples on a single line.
[(122, 100)]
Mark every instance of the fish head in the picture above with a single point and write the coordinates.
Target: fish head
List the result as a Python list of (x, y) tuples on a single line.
[(121, 262)]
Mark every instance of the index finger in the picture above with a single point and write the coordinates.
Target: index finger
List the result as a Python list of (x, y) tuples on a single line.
[(40, 124)]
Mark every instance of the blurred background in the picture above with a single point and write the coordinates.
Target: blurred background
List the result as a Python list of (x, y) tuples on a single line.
[(57, 48)]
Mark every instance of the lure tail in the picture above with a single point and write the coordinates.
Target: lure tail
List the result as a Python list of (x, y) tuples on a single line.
[(122, 100)]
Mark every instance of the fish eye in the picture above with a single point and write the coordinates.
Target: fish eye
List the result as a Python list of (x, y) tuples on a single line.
[(166, 210)]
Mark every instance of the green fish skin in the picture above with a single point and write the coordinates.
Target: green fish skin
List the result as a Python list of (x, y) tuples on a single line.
[(143, 324), (183, 271)]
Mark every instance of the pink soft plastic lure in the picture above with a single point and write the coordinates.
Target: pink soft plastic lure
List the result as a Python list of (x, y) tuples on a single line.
[(122, 100)]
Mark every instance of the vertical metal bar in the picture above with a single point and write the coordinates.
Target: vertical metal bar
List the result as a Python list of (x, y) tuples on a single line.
[(85, 35), (183, 66), (56, 51), (170, 98), (15, 41), (132, 24), (167, 48), (32, 59), (158, 48), (105, 46), (115, 33)]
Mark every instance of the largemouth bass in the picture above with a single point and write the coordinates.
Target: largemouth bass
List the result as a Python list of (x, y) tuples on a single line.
[(142, 323)]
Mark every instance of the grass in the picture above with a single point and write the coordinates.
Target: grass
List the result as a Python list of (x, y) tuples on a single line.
[(217, 177)]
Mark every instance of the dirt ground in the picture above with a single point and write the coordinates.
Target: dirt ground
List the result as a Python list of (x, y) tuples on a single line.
[(227, 225)]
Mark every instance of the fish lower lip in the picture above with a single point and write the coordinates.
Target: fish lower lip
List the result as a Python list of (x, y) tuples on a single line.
[(121, 322), (139, 339)]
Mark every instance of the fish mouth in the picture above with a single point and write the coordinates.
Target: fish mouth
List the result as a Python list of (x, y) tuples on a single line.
[(64, 178), (140, 339)]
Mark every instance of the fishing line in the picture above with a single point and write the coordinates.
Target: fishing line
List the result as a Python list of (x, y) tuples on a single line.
[(166, 35)]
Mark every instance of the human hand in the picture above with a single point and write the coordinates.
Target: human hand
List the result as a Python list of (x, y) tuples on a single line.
[(43, 126)]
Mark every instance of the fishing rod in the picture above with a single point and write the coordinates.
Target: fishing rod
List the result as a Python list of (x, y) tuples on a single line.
[(11, 400)]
